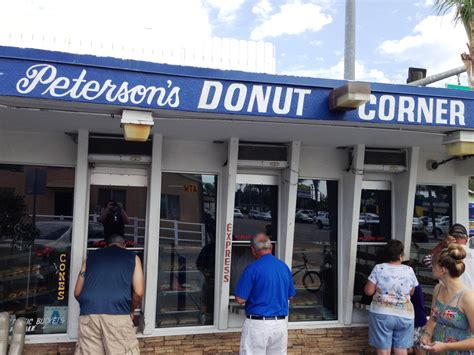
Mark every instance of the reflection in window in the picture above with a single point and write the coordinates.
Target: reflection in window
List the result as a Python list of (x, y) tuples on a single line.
[(314, 265), (375, 229), (186, 271), (35, 245), (375, 219), (117, 210), (430, 224)]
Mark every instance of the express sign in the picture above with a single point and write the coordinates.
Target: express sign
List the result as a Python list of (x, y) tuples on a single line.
[(222, 92)]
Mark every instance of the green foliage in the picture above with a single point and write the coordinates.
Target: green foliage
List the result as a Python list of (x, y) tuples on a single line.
[(463, 11)]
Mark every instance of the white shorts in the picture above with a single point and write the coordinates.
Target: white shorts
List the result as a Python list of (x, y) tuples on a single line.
[(264, 337)]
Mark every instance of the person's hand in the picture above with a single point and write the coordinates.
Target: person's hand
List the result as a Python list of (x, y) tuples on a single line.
[(425, 339), (132, 315), (438, 347)]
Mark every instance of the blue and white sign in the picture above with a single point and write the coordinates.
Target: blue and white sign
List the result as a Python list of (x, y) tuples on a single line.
[(222, 92)]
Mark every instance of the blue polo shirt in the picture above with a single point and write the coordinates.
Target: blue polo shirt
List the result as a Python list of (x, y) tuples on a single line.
[(266, 285)]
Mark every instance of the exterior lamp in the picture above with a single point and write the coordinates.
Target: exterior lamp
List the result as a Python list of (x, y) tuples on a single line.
[(349, 96), (459, 143), (136, 125)]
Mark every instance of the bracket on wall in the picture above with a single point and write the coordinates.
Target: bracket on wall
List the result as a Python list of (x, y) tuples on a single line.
[(432, 164)]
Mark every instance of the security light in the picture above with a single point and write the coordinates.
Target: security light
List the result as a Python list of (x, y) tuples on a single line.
[(136, 125)]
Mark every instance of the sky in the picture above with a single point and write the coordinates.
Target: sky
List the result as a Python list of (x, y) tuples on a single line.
[(308, 35)]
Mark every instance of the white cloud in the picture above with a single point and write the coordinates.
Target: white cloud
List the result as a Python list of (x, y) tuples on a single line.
[(263, 8), (138, 23), (294, 18), (337, 72), (435, 44), (227, 8), (425, 3)]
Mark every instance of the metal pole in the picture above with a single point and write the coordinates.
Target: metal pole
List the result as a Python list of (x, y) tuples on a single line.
[(437, 77), (349, 42)]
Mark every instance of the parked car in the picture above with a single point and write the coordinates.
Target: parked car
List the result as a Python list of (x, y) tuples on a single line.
[(253, 214), (303, 218), (266, 216), (441, 227), (416, 224), (321, 219), (368, 219), (309, 213), (238, 213)]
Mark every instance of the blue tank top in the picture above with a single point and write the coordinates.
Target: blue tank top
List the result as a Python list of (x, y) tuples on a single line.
[(108, 282)]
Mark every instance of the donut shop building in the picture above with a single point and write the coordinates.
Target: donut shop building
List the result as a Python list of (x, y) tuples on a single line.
[(330, 170)]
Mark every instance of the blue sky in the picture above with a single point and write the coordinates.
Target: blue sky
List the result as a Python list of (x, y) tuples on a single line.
[(308, 35)]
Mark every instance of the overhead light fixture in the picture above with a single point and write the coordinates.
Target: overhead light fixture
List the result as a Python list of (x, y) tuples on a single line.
[(349, 96), (136, 125), (459, 143)]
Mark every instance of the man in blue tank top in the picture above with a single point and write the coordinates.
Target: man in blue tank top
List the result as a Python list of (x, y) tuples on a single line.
[(109, 288), (265, 287)]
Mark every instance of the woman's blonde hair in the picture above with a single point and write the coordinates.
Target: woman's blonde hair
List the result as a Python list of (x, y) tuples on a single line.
[(451, 258)]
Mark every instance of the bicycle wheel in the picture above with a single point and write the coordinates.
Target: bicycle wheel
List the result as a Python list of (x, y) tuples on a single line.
[(312, 281)]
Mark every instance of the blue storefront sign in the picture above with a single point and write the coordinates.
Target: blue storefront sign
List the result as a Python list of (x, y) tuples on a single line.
[(86, 79)]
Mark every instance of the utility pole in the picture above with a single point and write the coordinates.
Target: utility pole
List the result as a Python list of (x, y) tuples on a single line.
[(349, 41)]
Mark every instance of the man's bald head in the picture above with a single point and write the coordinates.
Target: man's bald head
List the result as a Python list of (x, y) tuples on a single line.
[(261, 244)]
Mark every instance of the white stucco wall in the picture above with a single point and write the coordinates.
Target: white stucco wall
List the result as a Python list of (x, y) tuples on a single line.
[(41, 148)]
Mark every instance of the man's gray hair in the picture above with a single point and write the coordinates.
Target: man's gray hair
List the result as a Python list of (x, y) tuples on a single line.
[(116, 239), (260, 241)]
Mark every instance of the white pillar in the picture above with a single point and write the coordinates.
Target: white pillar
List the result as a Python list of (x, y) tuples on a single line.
[(404, 189), (79, 227), (224, 241), (352, 187), (152, 243), (289, 189)]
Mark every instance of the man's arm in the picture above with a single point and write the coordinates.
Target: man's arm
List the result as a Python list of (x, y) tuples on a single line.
[(125, 217), (80, 281), (138, 284), (239, 300)]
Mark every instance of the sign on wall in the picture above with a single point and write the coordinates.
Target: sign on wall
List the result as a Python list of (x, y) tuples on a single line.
[(278, 97)]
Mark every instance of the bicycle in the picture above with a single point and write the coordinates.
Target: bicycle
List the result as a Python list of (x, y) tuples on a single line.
[(311, 279)]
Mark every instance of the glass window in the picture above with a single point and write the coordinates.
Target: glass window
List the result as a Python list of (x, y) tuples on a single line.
[(255, 211), (186, 269), (366, 258), (375, 230), (36, 206), (375, 218), (314, 265), (430, 224)]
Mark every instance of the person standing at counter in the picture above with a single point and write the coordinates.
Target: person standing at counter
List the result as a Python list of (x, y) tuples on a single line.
[(109, 288), (391, 313), (457, 234), (265, 287)]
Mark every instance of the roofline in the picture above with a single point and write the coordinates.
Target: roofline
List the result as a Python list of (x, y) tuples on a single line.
[(30, 54)]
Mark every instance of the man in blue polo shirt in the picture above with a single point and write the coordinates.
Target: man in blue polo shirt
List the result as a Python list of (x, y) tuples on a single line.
[(265, 287)]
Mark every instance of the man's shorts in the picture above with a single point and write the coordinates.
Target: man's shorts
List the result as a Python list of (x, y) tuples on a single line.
[(386, 332), (106, 334)]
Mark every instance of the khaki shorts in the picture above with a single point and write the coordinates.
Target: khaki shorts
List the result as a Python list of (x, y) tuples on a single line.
[(106, 334)]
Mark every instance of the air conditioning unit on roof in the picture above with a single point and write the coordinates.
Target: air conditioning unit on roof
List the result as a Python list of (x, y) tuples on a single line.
[(385, 160)]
